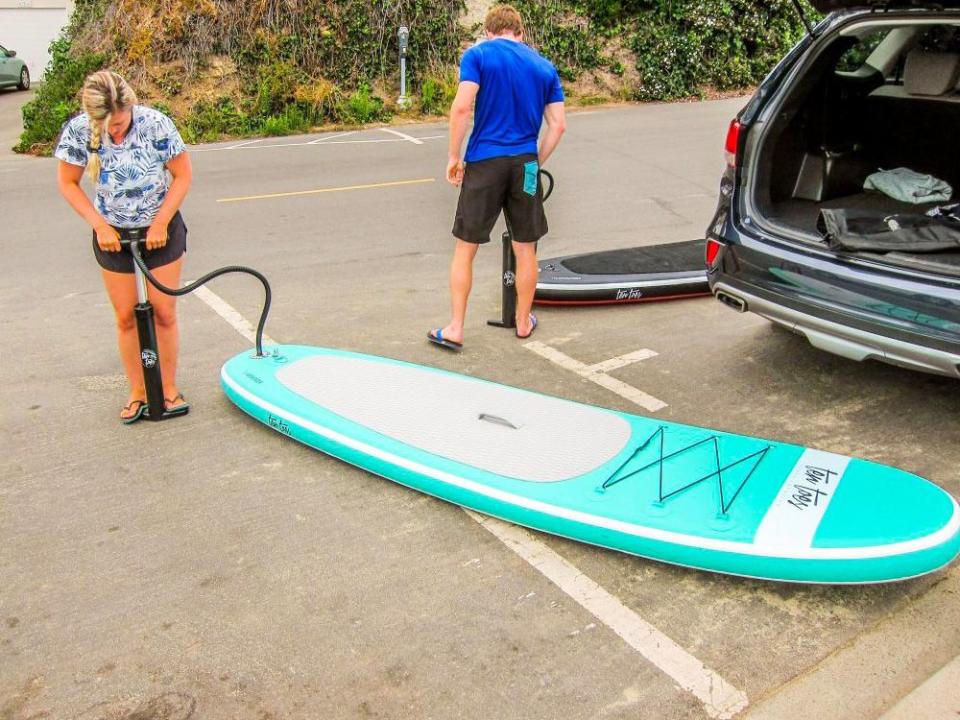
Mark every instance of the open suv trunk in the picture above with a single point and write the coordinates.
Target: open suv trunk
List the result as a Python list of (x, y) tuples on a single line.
[(879, 96), (869, 89)]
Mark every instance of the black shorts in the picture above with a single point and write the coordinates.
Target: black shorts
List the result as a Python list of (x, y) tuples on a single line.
[(511, 184), (122, 262)]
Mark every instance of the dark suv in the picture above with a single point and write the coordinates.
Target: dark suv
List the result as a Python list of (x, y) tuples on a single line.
[(873, 86)]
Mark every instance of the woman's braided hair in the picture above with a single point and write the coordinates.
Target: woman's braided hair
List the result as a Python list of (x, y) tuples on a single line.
[(104, 93)]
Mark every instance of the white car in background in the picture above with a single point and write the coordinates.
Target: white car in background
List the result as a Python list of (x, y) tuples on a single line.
[(13, 70)]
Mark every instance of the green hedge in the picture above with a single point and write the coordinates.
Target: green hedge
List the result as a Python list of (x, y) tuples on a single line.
[(58, 97), (681, 47), (335, 61), (687, 45)]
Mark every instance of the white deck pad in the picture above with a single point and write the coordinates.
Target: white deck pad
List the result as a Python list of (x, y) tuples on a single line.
[(496, 428)]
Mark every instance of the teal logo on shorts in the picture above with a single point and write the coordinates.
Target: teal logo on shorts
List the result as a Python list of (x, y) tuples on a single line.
[(531, 174)]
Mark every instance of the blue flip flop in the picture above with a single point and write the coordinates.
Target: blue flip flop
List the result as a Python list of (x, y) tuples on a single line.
[(437, 338), (533, 326)]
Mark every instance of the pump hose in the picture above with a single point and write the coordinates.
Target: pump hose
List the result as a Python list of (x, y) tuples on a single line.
[(187, 289), (549, 191)]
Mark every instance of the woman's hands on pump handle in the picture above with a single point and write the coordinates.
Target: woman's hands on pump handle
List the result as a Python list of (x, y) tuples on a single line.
[(109, 239), (156, 235)]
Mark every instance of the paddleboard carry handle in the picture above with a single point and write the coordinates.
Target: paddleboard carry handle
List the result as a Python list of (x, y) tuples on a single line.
[(130, 238), (508, 278), (496, 420)]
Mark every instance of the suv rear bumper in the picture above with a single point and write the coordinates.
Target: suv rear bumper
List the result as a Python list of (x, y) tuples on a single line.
[(843, 340)]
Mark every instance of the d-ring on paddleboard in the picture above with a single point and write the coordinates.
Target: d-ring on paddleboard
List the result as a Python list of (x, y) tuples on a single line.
[(146, 327)]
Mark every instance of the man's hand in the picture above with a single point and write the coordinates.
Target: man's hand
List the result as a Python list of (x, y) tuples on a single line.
[(107, 238), (459, 117), (455, 171), (156, 235)]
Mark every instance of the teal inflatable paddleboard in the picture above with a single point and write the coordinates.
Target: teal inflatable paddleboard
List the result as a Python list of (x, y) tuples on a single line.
[(675, 493)]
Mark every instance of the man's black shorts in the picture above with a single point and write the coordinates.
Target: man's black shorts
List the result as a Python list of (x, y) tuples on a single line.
[(122, 262), (511, 184)]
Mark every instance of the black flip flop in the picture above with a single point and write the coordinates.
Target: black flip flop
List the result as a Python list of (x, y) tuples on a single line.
[(178, 408), (437, 338), (141, 409), (533, 326)]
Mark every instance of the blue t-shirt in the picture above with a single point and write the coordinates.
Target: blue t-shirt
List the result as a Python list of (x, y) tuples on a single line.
[(516, 84), (133, 176)]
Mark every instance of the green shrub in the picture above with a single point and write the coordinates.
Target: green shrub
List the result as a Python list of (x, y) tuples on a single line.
[(437, 93), (668, 63), (570, 41), (362, 106), (211, 120), (294, 119), (685, 45), (161, 106), (275, 88), (58, 97)]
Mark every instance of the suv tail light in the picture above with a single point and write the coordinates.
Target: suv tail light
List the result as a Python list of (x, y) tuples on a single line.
[(733, 142), (713, 249)]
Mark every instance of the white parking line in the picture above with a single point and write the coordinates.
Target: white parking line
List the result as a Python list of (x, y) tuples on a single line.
[(597, 373), (406, 137), (327, 138), (720, 699), (621, 361), (243, 144), (225, 310)]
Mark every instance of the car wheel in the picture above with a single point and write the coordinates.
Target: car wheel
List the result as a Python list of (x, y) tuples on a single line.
[(24, 79)]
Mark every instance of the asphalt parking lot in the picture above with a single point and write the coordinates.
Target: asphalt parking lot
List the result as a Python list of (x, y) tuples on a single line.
[(210, 568)]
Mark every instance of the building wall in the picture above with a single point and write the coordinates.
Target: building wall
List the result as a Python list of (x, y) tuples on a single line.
[(29, 26)]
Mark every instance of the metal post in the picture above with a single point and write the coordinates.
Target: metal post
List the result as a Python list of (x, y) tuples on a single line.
[(403, 38)]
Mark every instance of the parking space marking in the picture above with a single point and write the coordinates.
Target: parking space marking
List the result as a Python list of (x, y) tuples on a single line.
[(225, 310), (621, 361), (243, 144), (369, 186), (406, 137), (324, 140), (720, 699), (327, 138), (598, 373)]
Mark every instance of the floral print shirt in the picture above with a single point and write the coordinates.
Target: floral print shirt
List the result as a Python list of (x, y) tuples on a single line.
[(133, 177)]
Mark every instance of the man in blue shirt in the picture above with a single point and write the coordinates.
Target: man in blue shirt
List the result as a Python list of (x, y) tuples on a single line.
[(514, 90)]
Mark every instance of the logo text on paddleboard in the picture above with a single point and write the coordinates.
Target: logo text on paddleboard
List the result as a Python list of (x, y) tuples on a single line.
[(278, 424), (629, 294), (809, 493), (148, 358), (509, 279)]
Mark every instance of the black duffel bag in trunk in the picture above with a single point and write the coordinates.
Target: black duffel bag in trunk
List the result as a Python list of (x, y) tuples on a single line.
[(861, 231)]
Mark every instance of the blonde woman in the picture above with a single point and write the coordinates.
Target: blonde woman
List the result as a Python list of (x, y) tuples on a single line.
[(140, 170)]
